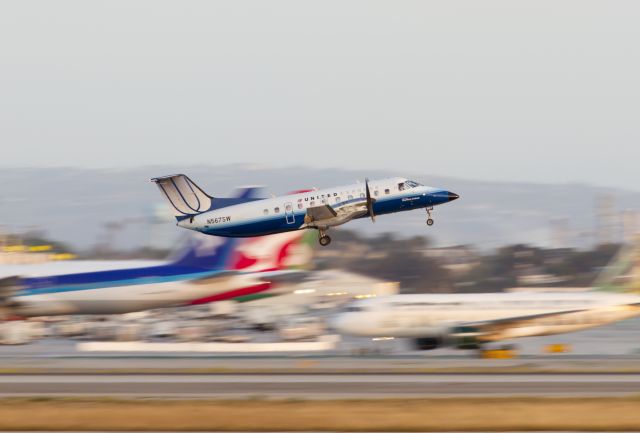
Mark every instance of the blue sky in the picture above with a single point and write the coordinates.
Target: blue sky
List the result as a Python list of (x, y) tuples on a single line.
[(541, 91)]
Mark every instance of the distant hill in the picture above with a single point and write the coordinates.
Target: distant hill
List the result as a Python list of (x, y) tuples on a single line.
[(120, 207)]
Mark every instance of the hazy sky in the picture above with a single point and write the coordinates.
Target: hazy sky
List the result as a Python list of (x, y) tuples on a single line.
[(540, 91)]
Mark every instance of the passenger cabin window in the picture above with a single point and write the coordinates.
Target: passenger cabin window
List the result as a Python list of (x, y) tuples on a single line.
[(276, 210), (337, 199), (350, 197), (361, 195), (386, 191), (266, 211), (375, 193), (300, 205), (288, 208), (401, 186), (312, 203)]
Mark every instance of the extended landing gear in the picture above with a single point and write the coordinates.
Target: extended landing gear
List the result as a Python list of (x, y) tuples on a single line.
[(429, 219), (323, 238)]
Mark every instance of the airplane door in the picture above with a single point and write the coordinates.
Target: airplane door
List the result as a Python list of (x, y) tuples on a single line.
[(288, 213)]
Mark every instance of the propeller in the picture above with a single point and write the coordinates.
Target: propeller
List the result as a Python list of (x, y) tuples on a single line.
[(369, 200)]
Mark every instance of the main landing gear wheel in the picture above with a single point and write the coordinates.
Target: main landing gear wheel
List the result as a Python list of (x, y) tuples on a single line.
[(324, 240), (429, 221)]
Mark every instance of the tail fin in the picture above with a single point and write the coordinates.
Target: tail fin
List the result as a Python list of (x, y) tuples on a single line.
[(204, 252), (273, 252), (183, 194), (622, 274)]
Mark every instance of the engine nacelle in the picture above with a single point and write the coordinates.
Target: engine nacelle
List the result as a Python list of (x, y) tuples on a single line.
[(464, 337), (428, 343), (458, 337)]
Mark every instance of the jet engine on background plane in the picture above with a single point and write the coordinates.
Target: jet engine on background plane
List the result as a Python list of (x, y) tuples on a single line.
[(459, 337)]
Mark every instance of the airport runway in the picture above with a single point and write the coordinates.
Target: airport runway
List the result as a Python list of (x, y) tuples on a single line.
[(320, 385)]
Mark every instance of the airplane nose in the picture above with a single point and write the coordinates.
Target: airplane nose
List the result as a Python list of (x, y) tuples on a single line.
[(335, 323), (341, 324), (453, 196)]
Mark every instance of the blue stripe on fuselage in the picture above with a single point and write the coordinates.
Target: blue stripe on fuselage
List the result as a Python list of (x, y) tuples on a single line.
[(199, 258), (111, 278)]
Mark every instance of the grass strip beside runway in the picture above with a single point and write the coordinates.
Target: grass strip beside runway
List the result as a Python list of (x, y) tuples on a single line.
[(435, 414)]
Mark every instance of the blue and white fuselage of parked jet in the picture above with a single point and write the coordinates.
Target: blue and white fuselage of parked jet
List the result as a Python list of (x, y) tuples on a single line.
[(205, 269), (318, 209), (198, 270)]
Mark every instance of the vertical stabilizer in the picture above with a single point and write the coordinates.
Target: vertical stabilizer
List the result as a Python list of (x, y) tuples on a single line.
[(623, 273), (273, 252), (204, 252), (183, 194)]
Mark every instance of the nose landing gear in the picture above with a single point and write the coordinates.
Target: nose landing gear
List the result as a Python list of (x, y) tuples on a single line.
[(429, 219)]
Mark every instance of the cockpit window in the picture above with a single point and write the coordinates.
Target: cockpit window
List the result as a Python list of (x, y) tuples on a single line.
[(411, 184)]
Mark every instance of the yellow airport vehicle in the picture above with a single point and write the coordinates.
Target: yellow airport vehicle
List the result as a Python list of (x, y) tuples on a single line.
[(557, 348), (500, 353)]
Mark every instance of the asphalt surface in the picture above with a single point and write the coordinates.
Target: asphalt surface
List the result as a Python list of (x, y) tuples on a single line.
[(57, 356), (320, 386)]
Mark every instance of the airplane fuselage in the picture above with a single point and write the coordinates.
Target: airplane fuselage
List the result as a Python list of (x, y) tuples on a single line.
[(118, 291), (518, 314), (287, 213)]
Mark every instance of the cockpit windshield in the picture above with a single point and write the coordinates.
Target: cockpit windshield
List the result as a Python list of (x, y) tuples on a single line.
[(407, 184)]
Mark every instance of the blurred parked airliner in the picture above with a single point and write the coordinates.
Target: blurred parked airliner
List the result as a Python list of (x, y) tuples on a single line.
[(206, 269)]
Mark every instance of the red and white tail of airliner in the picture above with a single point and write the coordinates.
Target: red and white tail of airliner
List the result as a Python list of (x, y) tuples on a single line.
[(261, 256), (265, 254)]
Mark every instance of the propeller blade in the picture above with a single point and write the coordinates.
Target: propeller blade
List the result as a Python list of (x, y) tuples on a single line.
[(369, 200)]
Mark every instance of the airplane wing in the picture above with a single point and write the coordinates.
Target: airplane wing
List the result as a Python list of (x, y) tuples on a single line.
[(319, 213), (328, 216), (520, 319), (540, 324), (214, 277), (284, 276)]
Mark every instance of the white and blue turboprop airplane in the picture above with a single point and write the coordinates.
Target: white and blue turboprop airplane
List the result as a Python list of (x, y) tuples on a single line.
[(318, 209)]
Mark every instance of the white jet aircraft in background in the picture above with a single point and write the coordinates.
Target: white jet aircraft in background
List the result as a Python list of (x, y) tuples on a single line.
[(467, 321)]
